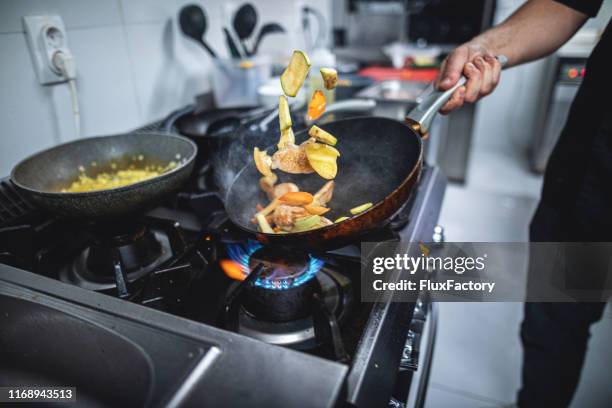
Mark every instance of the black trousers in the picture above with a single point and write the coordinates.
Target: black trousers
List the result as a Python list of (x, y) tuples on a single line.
[(554, 335)]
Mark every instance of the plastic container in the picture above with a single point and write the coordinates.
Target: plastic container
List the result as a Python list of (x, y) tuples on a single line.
[(235, 81)]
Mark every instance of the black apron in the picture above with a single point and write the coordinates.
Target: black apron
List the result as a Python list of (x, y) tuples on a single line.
[(576, 203)]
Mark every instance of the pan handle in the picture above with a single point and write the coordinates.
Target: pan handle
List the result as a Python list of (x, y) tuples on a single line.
[(356, 105), (422, 116)]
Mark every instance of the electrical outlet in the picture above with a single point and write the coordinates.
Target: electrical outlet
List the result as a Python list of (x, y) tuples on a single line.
[(46, 35)]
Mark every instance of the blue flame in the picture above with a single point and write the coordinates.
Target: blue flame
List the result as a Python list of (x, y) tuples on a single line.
[(242, 255)]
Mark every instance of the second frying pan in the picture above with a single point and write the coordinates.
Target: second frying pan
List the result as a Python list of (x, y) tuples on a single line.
[(44, 175)]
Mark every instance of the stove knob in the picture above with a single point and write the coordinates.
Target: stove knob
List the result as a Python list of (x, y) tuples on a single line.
[(410, 355), (438, 235), (393, 403)]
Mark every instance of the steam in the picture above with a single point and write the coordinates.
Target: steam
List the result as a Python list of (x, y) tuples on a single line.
[(236, 151)]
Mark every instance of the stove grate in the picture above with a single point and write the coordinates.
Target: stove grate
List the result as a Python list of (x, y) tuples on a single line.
[(13, 205)]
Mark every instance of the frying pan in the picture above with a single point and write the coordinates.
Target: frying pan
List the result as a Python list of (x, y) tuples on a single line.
[(43, 175), (210, 123), (380, 162)]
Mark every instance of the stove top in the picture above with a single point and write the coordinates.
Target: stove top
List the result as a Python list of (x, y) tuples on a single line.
[(186, 259)]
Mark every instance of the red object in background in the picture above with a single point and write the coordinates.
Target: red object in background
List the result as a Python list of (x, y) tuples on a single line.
[(572, 73), (404, 74)]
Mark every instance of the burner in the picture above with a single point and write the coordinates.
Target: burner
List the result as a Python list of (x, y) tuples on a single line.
[(298, 331), (133, 252), (280, 305), (285, 297), (282, 269)]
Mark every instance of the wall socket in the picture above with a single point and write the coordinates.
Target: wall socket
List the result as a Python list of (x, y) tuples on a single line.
[(46, 35)]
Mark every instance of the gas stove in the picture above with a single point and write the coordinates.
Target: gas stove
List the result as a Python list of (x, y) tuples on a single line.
[(186, 264)]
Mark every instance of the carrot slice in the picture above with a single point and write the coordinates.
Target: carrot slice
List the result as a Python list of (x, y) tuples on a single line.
[(316, 107), (298, 198)]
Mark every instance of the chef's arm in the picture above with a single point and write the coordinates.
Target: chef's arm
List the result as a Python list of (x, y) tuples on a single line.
[(536, 29)]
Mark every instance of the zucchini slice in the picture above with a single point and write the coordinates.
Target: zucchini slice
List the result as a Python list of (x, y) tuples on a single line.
[(284, 116), (322, 135), (287, 138), (306, 223), (295, 74), (361, 208), (330, 77)]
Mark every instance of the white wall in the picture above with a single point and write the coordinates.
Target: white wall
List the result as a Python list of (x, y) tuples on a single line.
[(134, 65)]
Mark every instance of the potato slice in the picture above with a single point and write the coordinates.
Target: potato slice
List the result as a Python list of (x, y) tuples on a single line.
[(330, 77), (287, 138), (322, 135), (340, 219), (263, 162), (295, 74), (323, 158), (284, 116)]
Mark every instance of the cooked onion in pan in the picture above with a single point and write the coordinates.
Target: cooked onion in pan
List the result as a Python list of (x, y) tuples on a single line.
[(119, 178)]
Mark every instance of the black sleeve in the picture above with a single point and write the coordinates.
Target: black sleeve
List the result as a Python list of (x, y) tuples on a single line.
[(588, 7)]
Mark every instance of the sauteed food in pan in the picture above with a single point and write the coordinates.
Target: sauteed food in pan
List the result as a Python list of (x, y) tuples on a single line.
[(118, 178), (116, 185), (291, 210)]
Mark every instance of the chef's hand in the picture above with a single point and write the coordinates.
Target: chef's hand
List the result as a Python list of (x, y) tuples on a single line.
[(478, 65)]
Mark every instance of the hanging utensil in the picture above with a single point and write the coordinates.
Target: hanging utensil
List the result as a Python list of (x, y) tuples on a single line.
[(193, 24), (266, 29), (244, 24), (231, 45)]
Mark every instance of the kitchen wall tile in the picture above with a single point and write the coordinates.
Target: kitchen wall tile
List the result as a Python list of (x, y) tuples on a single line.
[(105, 81), (29, 121), (76, 14), (147, 11), (169, 69), (38, 116)]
